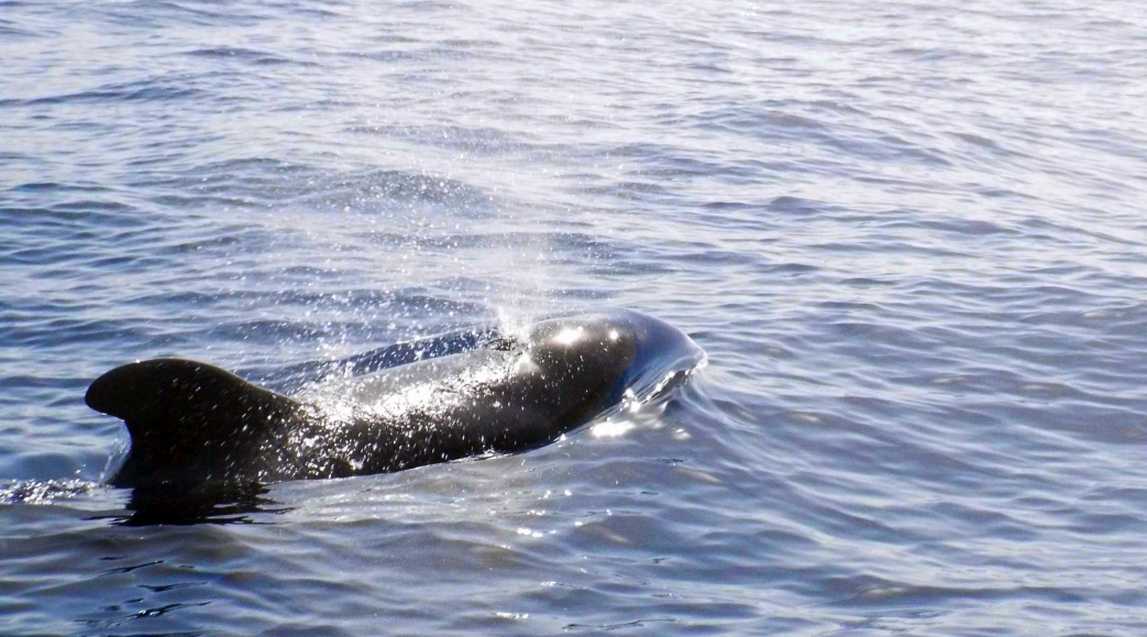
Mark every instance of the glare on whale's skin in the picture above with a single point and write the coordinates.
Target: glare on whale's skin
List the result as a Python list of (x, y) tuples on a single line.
[(191, 422)]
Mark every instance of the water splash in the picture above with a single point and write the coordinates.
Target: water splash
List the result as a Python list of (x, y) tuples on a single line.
[(44, 491)]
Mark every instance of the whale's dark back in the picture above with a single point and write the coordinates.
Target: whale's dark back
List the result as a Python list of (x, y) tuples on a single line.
[(187, 419), (191, 422)]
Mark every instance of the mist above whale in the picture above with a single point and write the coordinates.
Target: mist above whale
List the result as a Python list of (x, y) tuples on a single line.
[(191, 422)]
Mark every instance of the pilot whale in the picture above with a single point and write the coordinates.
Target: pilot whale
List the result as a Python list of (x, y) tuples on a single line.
[(193, 423)]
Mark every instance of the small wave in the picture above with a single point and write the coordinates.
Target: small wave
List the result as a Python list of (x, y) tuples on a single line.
[(239, 54), (148, 91), (487, 141)]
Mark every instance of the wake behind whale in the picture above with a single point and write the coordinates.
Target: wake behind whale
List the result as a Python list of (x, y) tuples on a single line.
[(192, 423)]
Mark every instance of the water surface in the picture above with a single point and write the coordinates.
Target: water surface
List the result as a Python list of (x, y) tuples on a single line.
[(908, 235)]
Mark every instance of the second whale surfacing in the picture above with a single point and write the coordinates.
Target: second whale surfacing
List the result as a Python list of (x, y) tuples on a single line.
[(193, 423)]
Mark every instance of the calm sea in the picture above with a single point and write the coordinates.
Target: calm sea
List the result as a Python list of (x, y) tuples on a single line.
[(911, 237)]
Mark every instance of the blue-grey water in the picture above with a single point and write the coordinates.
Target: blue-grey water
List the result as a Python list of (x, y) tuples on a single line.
[(909, 235)]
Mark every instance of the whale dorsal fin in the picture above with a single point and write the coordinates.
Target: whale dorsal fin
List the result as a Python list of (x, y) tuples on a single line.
[(184, 414)]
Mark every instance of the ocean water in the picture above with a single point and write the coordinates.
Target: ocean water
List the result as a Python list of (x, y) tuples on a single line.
[(910, 237)]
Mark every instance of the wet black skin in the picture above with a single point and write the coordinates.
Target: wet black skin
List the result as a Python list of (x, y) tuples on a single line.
[(192, 423)]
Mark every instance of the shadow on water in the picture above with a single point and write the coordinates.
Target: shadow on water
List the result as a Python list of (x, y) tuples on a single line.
[(215, 503), (205, 503)]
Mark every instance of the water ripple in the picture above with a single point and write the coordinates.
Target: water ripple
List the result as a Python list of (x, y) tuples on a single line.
[(909, 238)]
